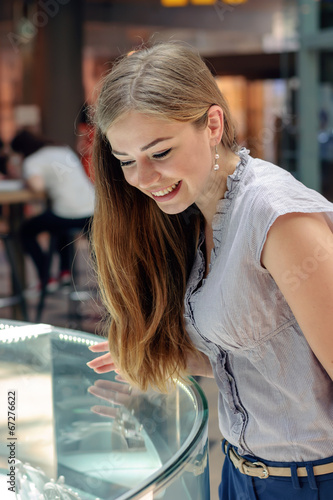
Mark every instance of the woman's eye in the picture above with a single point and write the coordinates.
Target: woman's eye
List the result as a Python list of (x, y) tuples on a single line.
[(126, 163), (156, 156), (162, 155)]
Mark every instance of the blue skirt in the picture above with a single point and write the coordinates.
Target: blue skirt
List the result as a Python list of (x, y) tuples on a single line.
[(237, 486)]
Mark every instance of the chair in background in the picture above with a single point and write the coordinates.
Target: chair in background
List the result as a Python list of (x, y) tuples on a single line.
[(44, 291), (72, 292)]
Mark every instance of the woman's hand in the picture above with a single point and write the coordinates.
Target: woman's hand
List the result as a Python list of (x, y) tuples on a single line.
[(198, 365), (104, 363)]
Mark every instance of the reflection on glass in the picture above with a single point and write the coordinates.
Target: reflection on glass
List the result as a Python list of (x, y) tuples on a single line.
[(144, 445)]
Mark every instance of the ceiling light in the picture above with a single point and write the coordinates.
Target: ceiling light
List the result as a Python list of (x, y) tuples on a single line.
[(203, 2), (183, 3), (234, 2), (174, 3)]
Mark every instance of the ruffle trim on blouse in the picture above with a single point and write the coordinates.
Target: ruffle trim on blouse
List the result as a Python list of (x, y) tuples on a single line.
[(224, 204)]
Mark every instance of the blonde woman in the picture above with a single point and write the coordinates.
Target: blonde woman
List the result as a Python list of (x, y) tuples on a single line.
[(214, 263)]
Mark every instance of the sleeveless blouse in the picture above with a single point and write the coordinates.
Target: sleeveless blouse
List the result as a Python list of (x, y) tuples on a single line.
[(275, 398)]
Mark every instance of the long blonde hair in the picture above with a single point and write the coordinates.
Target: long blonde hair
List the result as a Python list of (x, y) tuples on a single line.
[(144, 256)]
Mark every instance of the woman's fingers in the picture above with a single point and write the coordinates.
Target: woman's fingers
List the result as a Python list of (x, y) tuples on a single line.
[(100, 347), (101, 361), (104, 369), (104, 363)]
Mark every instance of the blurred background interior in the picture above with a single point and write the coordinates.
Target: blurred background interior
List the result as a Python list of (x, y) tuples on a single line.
[(273, 59)]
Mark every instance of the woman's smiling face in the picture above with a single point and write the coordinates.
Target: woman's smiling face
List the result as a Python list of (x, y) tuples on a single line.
[(169, 161)]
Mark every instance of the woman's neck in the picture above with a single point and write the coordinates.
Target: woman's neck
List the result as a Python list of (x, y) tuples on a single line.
[(207, 205)]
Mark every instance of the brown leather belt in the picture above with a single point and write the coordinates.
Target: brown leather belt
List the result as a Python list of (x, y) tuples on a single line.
[(263, 471)]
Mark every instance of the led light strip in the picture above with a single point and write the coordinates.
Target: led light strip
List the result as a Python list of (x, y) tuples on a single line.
[(12, 333), (76, 339)]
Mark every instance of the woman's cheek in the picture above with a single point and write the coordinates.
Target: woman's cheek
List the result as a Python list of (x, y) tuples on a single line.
[(130, 177)]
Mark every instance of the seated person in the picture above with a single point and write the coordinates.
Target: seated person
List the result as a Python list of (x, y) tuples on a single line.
[(57, 171)]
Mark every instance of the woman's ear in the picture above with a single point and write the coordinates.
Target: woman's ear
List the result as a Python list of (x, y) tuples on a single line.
[(215, 124)]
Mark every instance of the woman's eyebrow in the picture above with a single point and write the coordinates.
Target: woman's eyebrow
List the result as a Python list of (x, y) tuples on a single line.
[(144, 148)]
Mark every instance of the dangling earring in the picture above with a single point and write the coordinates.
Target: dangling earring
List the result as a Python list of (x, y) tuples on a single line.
[(216, 156)]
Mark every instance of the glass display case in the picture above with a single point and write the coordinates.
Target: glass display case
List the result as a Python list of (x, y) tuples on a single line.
[(61, 438)]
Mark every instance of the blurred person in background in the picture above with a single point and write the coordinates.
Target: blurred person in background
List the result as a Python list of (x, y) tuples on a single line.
[(218, 264), (56, 171)]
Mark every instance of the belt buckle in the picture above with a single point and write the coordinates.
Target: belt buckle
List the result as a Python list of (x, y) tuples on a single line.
[(265, 473)]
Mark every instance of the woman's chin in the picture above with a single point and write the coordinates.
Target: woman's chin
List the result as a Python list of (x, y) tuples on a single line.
[(173, 210)]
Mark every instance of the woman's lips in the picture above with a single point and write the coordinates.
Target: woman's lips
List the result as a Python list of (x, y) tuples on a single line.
[(166, 194)]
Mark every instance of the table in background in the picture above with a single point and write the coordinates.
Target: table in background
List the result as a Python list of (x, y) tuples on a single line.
[(16, 199)]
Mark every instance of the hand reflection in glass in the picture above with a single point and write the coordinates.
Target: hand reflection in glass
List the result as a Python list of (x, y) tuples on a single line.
[(126, 429), (119, 393)]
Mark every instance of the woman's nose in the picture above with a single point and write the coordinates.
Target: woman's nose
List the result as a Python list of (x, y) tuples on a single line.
[(147, 175)]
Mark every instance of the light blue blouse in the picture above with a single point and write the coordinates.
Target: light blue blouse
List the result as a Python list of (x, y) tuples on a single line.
[(275, 398)]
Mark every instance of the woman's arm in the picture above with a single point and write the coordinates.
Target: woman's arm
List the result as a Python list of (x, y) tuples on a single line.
[(298, 253), (199, 365)]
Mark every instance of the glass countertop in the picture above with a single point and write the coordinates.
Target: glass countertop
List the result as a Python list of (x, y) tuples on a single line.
[(54, 446)]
